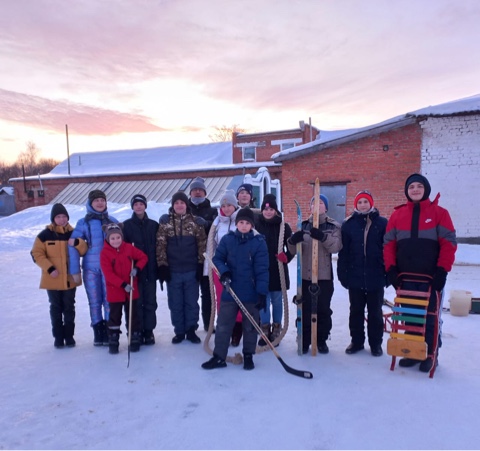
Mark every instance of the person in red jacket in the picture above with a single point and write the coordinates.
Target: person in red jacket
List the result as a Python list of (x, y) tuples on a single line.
[(420, 238), (116, 260)]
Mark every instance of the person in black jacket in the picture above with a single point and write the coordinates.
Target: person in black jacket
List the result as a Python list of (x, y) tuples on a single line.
[(361, 271), (201, 208), (269, 223), (141, 231)]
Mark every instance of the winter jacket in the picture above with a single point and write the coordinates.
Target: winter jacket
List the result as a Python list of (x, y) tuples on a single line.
[(89, 229), (245, 255), (331, 244), (116, 266), (419, 237), (143, 234), (50, 252), (270, 229), (205, 211), (223, 224), (360, 261), (181, 242)]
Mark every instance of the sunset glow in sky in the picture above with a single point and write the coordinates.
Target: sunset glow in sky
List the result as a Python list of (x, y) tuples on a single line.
[(142, 73)]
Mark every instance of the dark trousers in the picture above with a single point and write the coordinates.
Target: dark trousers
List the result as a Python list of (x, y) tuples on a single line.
[(373, 300), (206, 301), (147, 304), (115, 319), (324, 312), (227, 316), (433, 321), (62, 312)]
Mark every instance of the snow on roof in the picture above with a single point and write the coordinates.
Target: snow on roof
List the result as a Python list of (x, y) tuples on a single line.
[(7, 190), (465, 105), (158, 159)]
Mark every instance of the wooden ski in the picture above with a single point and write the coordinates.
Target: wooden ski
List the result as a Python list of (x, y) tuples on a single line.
[(314, 288), (297, 300)]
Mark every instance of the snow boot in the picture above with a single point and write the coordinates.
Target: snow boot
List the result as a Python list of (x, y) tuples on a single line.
[(68, 330), (148, 337), (57, 332), (248, 362), (105, 338), (214, 362), (353, 348), (407, 363), (98, 334), (427, 365), (276, 329), (113, 341), (266, 331), (237, 334), (178, 338), (323, 347), (135, 341), (192, 336)]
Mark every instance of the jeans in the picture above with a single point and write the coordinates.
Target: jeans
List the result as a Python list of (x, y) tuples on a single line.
[(274, 298)]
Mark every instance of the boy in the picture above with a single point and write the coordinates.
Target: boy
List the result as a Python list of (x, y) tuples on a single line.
[(329, 240), (142, 232), (121, 262), (242, 260)]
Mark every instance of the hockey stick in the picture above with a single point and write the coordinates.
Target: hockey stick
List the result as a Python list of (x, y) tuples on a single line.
[(130, 314), (288, 369)]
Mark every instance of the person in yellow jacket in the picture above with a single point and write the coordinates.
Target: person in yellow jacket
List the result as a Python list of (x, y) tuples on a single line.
[(50, 253)]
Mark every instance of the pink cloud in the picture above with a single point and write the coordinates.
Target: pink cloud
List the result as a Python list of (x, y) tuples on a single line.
[(82, 119)]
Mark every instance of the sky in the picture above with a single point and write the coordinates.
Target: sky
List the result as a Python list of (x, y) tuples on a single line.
[(129, 74), (84, 398)]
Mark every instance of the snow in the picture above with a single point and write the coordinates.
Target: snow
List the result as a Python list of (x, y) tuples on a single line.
[(84, 398)]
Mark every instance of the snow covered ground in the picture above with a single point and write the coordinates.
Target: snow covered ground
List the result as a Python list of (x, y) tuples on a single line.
[(84, 398)]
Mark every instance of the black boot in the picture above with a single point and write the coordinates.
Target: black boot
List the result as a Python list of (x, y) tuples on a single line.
[(98, 334), (68, 330), (237, 334), (113, 341), (192, 336), (214, 362), (248, 362), (57, 332), (135, 342), (105, 338), (148, 337)]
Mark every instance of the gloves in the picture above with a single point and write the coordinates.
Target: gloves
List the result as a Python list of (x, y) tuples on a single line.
[(282, 257), (200, 221), (392, 276), (199, 273), (134, 271), (226, 278), (439, 279), (316, 234), (163, 274), (297, 237), (127, 287), (261, 302)]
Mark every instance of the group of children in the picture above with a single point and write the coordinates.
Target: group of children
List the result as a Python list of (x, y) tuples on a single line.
[(251, 249)]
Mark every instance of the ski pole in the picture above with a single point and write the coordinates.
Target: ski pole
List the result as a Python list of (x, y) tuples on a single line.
[(288, 369)]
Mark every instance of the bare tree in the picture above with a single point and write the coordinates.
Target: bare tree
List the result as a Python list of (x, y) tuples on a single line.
[(28, 158), (224, 133)]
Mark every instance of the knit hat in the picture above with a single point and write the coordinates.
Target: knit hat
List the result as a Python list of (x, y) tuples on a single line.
[(112, 228), (247, 187), (323, 198), (198, 183), (180, 195), (363, 195), (270, 201), (96, 194), (138, 198), (58, 209), (421, 179), (228, 197), (245, 214)]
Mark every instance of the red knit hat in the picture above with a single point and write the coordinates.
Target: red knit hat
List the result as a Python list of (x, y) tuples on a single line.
[(363, 195)]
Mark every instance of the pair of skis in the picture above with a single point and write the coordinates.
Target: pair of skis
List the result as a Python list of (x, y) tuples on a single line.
[(314, 288)]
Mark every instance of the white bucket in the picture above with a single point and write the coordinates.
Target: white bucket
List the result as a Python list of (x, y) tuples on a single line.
[(460, 302)]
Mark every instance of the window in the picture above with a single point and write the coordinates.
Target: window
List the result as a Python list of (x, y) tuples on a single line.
[(249, 153), (286, 146)]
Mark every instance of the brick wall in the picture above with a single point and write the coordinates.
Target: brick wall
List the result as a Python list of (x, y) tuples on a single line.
[(451, 162), (361, 164)]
